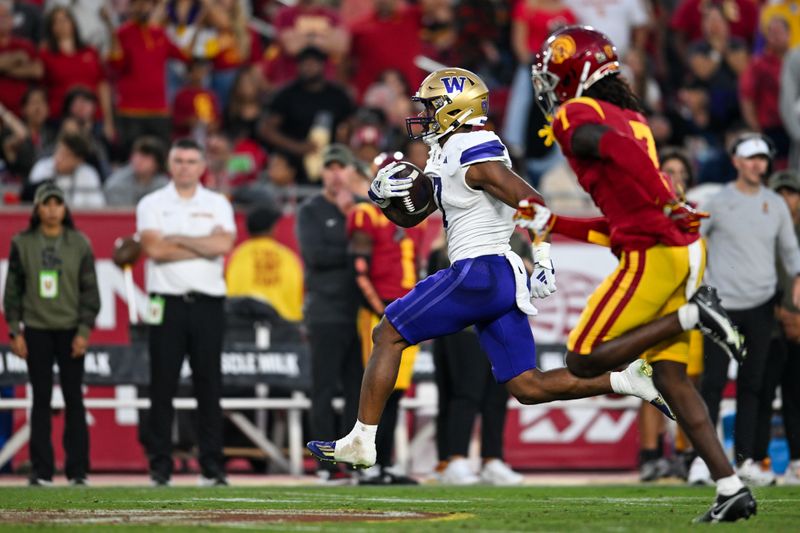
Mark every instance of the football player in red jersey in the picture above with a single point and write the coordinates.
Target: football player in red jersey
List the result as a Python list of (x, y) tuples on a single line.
[(651, 301)]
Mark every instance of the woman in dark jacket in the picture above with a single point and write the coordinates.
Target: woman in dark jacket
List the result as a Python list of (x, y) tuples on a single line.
[(51, 301)]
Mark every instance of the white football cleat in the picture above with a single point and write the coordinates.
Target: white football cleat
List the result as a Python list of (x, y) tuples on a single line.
[(792, 475), (496, 472), (699, 473), (458, 472), (755, 475), (639, 375), (352, 450)]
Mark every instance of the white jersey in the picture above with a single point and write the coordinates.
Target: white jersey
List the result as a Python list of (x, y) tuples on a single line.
[(476, 223)]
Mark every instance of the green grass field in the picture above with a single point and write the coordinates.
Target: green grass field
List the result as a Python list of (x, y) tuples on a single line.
[(356, 509)]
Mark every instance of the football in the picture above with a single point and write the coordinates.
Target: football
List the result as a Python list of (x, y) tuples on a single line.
[(126, 251), (420, 195)]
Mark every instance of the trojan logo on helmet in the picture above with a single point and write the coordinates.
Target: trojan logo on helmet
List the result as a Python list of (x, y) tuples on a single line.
[(572, 59), (452, 98)]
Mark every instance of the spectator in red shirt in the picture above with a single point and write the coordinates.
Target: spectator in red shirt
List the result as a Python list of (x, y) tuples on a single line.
[(19, 63), (760, 87), (390, 37), (196, 109), (307, 23), (139, 54), (68, 63)]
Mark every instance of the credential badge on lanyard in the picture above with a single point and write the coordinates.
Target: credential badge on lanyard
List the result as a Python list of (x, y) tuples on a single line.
[(155, 311), (48, 284)]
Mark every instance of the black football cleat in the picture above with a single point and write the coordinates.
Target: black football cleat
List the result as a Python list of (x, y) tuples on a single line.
[(738, 506), (716, 325)]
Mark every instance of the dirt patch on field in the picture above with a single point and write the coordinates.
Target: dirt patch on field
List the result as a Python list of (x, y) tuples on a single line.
[(199, 517)]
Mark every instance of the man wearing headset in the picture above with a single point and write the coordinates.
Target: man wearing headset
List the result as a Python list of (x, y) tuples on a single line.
[(750, 227)]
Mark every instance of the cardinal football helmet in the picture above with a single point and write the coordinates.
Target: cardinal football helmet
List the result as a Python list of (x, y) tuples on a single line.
[(572, 59), (453, 97)]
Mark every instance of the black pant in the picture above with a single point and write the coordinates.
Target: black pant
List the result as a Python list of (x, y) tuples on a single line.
[(384, 438), (790, 396), (783, 370), (756, 325), (336, 368), (467, 387), (44, 347), (194, 326)]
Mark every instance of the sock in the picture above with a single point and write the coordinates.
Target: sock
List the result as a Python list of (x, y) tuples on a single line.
[(688, 316), (727, 486), (620, 383), (365, 431), (648, 455)]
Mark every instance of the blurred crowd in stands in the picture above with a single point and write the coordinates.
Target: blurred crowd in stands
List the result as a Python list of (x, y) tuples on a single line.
[(93, 91)]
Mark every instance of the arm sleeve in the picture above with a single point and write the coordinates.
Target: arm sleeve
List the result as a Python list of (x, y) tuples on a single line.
[(146, 217), (226, 218), (591, 230), (118, 60), (317, 253), (573, 114), (707, 224), (89, 295), (788, 248), (14, 289)]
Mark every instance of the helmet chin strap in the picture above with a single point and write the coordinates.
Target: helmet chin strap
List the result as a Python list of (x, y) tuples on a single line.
[(584, 76), (457, 123)]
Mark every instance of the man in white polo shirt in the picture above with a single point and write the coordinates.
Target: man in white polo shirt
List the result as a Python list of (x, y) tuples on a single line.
[(185, 231)]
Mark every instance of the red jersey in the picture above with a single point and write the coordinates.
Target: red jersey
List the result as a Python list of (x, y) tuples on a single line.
[(141, 69), (635, 220), (393, 270), (193, 103), (62, 72)]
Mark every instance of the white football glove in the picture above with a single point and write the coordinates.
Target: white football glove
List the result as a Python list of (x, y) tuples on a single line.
[(385, 186), (435, 160), (543, 279)]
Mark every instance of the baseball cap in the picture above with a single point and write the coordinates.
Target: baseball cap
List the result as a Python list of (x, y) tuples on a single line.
[(752, 147), (262, 218), (337, 153), (48, 190), (785, 179)]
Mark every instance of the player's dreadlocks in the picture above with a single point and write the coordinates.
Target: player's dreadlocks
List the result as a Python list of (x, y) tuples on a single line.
[(615, 90)]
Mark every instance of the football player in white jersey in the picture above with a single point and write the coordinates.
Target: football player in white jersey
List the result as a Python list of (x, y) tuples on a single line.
[(486, 285)]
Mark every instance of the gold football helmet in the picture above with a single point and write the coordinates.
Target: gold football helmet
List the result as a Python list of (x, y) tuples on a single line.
[(453, 97)]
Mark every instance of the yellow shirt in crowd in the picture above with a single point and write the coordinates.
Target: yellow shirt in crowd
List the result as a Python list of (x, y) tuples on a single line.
[(265, 269)]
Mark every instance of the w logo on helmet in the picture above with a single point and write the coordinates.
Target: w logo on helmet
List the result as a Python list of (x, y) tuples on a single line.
[(454, 83)]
